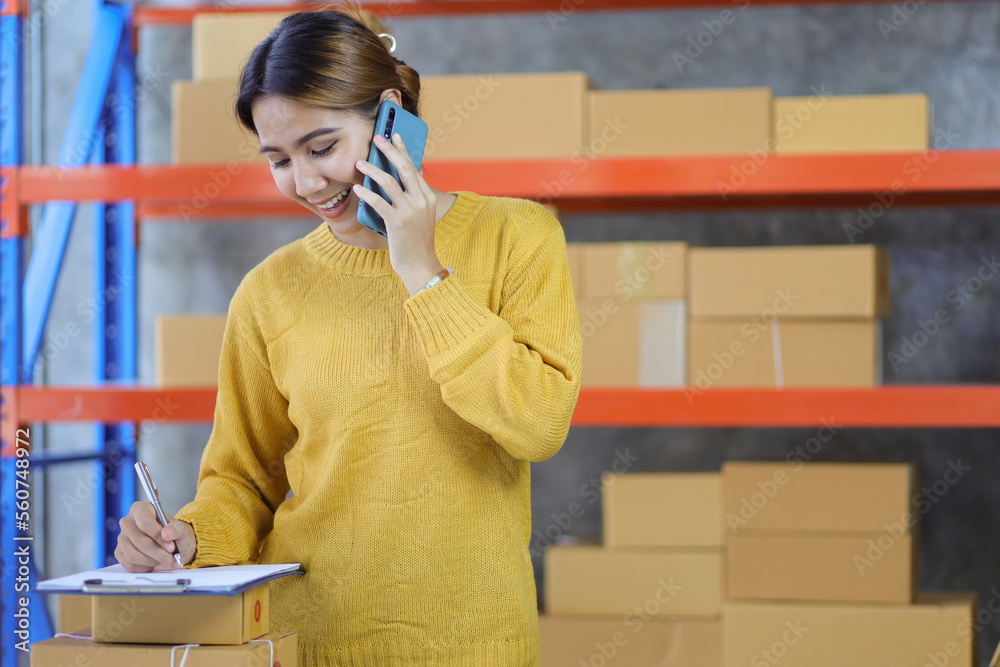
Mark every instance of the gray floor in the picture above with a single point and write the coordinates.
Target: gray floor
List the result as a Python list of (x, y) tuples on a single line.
[(949, 51)]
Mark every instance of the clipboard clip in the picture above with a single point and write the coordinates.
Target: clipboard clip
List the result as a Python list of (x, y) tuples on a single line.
[(98, 586)]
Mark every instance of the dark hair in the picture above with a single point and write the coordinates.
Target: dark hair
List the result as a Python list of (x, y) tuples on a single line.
[(327, 58)]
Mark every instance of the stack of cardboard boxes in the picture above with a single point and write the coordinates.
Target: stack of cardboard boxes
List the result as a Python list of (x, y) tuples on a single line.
[(161, 629), (821, 570), (651, 595), (787, 316), (631, 299), (557, 115), (806, 564)]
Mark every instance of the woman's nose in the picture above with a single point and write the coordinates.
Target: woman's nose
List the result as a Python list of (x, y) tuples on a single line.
[(308, 181)]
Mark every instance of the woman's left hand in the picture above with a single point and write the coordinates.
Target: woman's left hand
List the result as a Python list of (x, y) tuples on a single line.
[(410, 219)]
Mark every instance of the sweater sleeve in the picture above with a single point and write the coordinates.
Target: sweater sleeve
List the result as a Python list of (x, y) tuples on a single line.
[(242, 478), (515, 374)]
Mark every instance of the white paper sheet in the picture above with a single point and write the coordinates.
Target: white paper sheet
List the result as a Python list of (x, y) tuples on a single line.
[(225, 579)]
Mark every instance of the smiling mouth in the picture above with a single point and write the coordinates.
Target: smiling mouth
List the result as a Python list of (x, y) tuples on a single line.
[(332, 203)]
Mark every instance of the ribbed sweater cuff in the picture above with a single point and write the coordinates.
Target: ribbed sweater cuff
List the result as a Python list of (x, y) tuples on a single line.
[(445, 315), (210, 531)]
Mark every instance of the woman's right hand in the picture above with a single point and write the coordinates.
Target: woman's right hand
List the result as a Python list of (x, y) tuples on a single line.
[(146, 546)]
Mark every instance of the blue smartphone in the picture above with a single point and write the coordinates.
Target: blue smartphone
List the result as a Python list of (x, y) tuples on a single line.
[(391, 119)]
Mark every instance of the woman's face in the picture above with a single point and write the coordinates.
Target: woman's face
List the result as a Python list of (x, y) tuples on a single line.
[(313, 153)]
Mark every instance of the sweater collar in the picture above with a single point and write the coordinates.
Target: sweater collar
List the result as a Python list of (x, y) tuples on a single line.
[(324, 246)]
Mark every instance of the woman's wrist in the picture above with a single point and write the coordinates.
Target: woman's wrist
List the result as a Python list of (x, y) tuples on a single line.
[(419, 279)]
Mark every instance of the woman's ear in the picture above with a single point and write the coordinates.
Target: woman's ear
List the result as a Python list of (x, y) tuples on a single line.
[(393, 95)]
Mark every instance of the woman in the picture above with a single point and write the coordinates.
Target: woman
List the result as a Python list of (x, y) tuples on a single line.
[(400, 410)]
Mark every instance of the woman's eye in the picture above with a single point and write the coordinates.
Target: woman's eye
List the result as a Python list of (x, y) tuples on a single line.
[(325, 151), (279, 164)]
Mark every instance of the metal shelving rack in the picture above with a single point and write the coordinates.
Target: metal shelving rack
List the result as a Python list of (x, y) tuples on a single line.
[(97, 164)]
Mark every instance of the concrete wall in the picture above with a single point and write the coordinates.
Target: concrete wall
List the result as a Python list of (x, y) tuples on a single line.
[(948, 50)]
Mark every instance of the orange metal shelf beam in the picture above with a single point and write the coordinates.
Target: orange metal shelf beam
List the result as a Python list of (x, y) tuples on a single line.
[(954, 177), (145, 15), (896, 406)]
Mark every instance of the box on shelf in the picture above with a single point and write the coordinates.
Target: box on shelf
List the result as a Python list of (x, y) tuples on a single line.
[(188, 348), (682, 122), (205, 129), (662, 510), (572, 641), (830, 497), (937, 630), (74, 612), (487, 116), (630, 344), (789, 282), (752, 352), (866, 567), (65, 651), (852, 124), (662, 342), (632, 271), (181, 619), (222, 41), (587, 579)]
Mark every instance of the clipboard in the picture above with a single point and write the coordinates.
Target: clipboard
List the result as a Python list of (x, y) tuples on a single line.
[(229, 580)]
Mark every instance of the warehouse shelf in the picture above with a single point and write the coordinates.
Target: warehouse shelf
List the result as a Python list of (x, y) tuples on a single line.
[(949, 406), (130, 192), (956, 177), (150, 16)]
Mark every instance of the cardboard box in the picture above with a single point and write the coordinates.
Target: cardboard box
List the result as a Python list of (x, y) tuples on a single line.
[(662, 510), (570, 642), (793, 281), (852, 124), (188, 348), (222, 41), (74, 612), (828, 497), (662, 342), (66, 651), (610, 331), (681, 122), (182, 619), (629, 344), (750, 352), (873, 567), (590, 580), (632, 271), (205, 129), (489, 116), (938, 630)]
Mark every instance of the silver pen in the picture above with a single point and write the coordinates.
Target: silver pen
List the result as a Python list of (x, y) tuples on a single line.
[(154, 497)]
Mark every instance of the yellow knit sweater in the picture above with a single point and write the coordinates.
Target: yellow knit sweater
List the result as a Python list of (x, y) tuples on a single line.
[(403, 427)]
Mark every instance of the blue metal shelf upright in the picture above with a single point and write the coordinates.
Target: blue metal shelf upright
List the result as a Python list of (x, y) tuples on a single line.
[(101, 129)]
